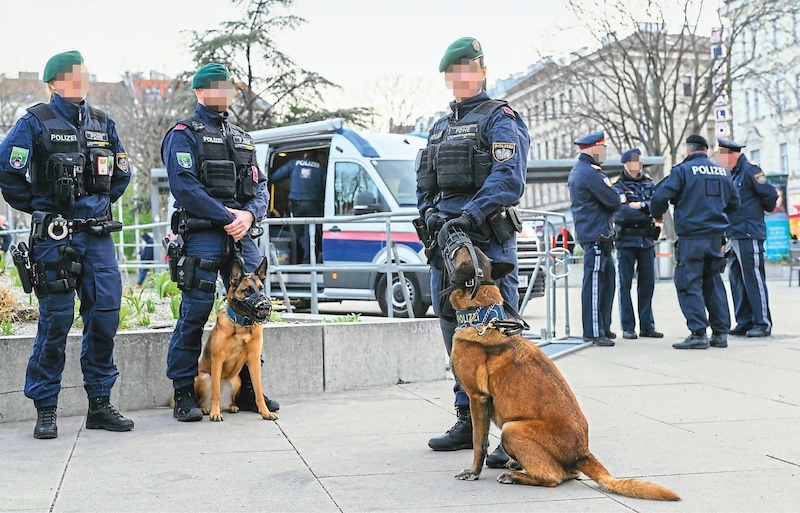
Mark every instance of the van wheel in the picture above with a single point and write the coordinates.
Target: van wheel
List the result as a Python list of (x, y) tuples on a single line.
[(418, 306)]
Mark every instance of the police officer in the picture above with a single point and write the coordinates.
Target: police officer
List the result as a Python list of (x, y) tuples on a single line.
[(746, 235), (594, 202), (635, 244), (704, 195), (472, 169), (218, 188), (306, 195), (78, 168)]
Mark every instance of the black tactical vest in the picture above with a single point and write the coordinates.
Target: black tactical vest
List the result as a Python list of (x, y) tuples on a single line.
[(457, 158), (227, 161), (76, 161)]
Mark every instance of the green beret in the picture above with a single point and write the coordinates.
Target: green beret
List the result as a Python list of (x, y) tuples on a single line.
[(465, 48), (210, 73), (60, 63)]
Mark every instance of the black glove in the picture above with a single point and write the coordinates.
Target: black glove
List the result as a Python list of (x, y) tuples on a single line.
[(465, 221), (434, 221)]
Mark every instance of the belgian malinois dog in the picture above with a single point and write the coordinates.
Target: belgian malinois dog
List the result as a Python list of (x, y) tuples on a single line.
[(510, 381), (236, 339)]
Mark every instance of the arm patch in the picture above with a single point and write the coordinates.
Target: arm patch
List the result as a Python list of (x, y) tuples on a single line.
[(509, 112)]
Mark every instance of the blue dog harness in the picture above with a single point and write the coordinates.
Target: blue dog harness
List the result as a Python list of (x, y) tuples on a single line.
[(479, 316)]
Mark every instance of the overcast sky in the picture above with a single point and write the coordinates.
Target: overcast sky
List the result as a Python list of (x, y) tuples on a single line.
[(350, 42)]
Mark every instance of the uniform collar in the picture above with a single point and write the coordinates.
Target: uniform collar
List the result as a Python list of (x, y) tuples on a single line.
[(587, 158), (739, 163), (696, 155), (461, 108), (68, 109), (209, 116), (627, 176)]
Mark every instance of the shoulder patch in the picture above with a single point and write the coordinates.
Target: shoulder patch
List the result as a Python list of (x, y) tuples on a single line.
[(752, 163), (19, 157), (503, 151), (122, 162), (761, 178), (607, 181), (508, 111), (184, 160), (180, 126), (597, 167)]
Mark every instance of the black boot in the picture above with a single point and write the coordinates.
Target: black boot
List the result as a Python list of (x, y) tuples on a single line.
[(246, 400), (499, 458), (186, 409), (718, 340), (46, 423), (697, 340), (457, 437), (103, 415)]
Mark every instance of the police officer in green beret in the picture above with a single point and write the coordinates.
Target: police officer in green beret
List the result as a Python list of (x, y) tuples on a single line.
[(472, 172), (78, 168)]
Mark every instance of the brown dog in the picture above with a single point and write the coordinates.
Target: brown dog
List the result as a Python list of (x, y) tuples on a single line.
[(230, 345), (511, 381)]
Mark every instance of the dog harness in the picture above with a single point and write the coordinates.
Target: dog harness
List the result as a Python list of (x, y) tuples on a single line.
[(494, 317)]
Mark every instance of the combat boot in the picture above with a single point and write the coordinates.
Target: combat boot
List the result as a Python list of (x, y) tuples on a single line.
[(46, 423), (499, 458), (718, 340), (697, 340), (457, 437), (103, 415), (186, 409)]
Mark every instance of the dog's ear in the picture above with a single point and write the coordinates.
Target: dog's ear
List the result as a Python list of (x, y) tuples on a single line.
[(237, 273), (500, 269), (261, 272)]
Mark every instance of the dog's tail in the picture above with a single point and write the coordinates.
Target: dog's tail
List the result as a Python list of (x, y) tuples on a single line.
[(627, 487)]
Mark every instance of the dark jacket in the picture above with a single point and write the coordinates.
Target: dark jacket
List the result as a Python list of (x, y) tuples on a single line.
[(630, 222), (307, 179), (703, 194), (756, 195), (594, 200)]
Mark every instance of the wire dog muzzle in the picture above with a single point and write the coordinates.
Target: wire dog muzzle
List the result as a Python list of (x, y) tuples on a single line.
[(256, 307), (451, 239)]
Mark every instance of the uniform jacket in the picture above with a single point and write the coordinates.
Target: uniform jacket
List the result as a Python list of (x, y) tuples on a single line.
[(308, 179), (594, 200), (25, 139), (703, 194), (505, 183), (184, 174), (630, 190), (756, 195)]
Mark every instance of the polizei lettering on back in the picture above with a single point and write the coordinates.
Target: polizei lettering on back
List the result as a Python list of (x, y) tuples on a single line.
[(215, 140), (709, 170), (307, 163), (63, 137)]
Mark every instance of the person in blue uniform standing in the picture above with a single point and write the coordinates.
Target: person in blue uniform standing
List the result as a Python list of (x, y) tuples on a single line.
[(77, 167), (306, 195), (746, 235), (472, 171), (145, 255), (218, 187), (635, 244), (704, 196), (594, 202)]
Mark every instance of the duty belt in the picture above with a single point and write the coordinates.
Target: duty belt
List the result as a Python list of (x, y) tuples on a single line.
[(45, 225)]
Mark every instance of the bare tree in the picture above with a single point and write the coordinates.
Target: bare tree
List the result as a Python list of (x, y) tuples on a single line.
[(398, 99), (17, 94)]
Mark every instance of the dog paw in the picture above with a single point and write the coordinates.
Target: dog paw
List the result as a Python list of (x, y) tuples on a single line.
[(468, 475), (205, 411), (505, 478), (216, 417), (233, 408), (268, 415)]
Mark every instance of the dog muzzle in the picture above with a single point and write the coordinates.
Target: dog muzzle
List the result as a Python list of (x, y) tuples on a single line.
[(256, 308), (451, 239)]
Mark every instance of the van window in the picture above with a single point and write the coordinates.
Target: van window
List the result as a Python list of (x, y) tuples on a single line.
[(400, 177), (351, 181)]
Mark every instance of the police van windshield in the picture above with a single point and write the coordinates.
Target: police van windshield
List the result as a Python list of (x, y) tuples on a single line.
[(399, 176)]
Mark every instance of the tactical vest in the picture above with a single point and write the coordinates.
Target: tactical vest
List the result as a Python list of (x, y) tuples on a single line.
[(76, 162), (458, 157), (227, 162)]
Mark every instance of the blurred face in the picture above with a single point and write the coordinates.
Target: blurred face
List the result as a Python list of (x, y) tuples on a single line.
[(600, 152), (634, 167), (728, 158), (218, 96), (465, 79), (72, 85)]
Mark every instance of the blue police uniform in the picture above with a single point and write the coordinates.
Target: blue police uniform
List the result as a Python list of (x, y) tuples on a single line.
[(704, 195), (182, 151), (145, 255), (306, 195), (31, 144), (746, 233), (635, 251), (594, 202), (502, 135)]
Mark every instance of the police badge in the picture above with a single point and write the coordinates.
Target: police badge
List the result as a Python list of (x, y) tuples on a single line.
[(503, 151)]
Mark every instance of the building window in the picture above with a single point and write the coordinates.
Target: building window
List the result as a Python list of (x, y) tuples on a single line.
[(687, 87), (780, 97), (544, 110), (536, 113), (562, 99), (784, 159), (755, 155), (756, 110), (744, 44), (747, 105), (539, 150), (553, 107), (546, 150)]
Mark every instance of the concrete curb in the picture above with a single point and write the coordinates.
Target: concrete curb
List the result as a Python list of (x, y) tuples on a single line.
[(298, 359)]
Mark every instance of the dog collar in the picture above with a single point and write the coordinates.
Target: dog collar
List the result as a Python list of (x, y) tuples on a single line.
[(479, 316), (239, 318)]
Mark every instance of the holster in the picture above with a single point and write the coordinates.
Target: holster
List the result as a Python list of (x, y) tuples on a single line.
[(19, 254), (504, 223), (422, 232)]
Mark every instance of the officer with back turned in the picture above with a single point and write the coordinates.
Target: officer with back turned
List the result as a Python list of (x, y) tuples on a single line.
[(594, 202), (636, 254), (746, 235), (704, 195), (473, 172), (78, 168), (219, 193)]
